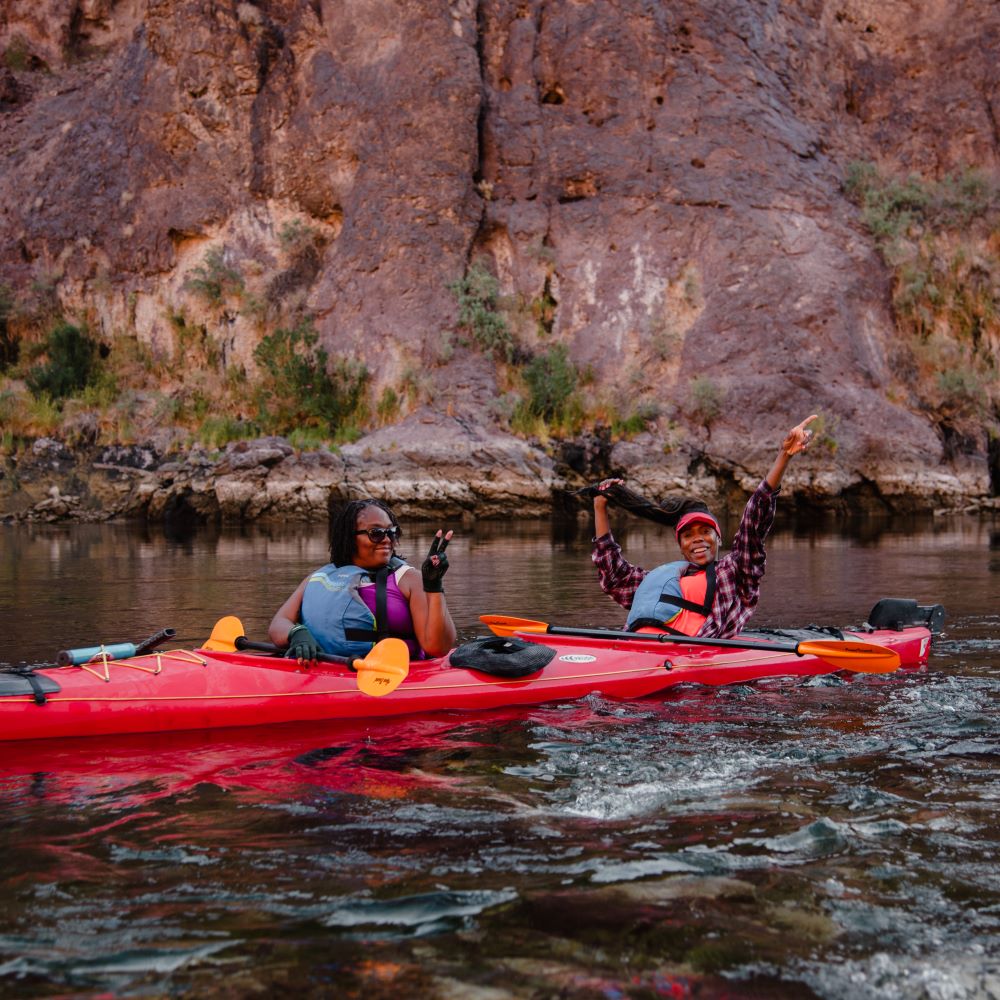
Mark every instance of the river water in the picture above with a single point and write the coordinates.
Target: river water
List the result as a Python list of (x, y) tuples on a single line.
[(834, 837)]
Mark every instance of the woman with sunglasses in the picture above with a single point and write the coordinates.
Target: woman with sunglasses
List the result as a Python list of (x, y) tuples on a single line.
[(367, 593)]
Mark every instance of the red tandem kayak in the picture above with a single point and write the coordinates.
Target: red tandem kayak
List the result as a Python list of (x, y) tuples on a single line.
[(203, 689)]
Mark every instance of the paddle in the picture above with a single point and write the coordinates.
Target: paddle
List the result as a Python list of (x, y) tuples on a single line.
[(862, 657), (381, 671)]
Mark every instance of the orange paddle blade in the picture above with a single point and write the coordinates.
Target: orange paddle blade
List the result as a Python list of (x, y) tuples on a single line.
[(861, 657), (223, 638), (508, 625), (384, 668)]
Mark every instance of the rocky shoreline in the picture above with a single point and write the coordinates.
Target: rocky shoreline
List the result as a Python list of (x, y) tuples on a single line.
[(474, 474), (426, 468)]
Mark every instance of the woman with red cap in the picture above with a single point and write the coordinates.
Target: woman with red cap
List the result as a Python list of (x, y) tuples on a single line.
[(701, 594)]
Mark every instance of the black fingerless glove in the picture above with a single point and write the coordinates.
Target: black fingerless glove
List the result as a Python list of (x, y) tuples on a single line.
[(302, 644), (433, 576), (434, 567)]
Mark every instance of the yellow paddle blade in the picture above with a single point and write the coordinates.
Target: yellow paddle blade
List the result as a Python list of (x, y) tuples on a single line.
[(384, 668), (862, 657), (507, 625), (223, 638)]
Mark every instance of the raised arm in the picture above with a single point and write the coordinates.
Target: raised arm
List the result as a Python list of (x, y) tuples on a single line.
[(618, 578), (432, 622), (796, 440), (602, 525)]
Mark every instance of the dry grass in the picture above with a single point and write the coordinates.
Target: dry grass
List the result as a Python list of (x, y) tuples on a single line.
[(941, 240)]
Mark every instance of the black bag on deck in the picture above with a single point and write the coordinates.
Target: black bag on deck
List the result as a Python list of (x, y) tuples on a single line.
[(502, 657)]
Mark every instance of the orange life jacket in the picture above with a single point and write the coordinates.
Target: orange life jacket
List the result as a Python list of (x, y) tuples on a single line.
[(667, 600)]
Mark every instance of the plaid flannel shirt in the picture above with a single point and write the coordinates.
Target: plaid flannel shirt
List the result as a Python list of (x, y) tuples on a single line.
[(737, 574)]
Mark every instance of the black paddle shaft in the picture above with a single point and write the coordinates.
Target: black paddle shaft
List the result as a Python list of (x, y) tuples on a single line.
[(242, 642), (684, 640), (156, 639)]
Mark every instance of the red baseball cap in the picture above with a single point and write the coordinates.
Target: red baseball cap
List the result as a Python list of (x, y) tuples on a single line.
[(697, 517)]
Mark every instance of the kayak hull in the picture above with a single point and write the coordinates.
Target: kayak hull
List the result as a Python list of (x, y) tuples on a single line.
[(199, 689)]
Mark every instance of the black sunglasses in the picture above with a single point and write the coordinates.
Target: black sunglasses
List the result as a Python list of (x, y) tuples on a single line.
[(376, 535)]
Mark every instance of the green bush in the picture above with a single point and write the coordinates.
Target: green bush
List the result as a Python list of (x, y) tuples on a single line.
[(72, 362), (301, 388), (478, 296), (706, 400), (636, 422), (665, 341), (543, 309), (551, 379), (297, 237), (214, 279), (218, 431), (102, 390), (963, 390), (388, 405), (939, 240), (9, 406), (194, 345), (960, 198), (890, 206), (17, 56)]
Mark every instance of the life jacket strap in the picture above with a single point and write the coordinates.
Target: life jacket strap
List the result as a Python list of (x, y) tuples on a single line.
[(660, 626), (381, 630), (699, 609), (381, 600)]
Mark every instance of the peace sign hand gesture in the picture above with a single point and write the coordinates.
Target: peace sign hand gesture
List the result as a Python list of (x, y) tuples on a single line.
[(434, 567)]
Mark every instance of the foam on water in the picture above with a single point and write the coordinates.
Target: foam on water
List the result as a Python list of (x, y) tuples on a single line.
[(427, 913), (952, 974)]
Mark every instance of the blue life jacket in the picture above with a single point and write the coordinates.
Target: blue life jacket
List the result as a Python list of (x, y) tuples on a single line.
[(663, 598), (336, 614)]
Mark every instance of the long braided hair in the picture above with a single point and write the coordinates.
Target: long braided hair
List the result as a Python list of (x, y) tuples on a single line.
[(344, 525), (667, 511)]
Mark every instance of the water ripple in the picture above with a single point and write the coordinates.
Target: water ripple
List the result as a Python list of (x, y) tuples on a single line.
[(414, 916), (956, 974)]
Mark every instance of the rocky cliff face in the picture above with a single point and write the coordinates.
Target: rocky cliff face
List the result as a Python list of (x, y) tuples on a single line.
[(658, 187)]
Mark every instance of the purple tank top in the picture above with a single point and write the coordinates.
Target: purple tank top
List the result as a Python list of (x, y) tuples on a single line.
[(397, 610)]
